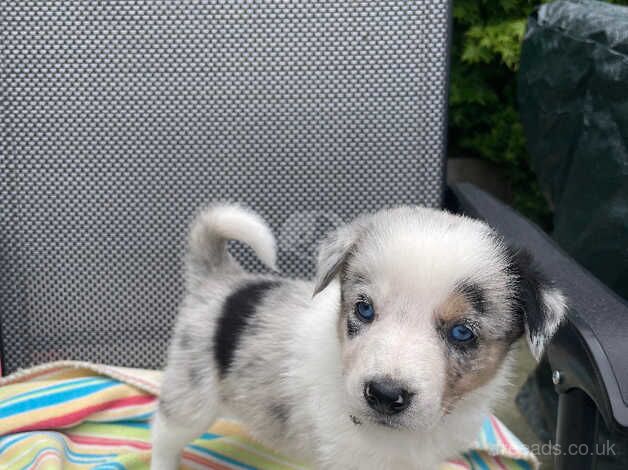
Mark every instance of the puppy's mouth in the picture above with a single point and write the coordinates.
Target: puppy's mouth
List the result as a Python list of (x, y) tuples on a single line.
[(377, 421), (386, 424)]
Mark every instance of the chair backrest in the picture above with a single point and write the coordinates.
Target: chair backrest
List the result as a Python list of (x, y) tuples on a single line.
[(122, 118)]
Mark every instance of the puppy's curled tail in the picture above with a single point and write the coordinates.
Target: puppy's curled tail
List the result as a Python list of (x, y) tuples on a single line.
[(214, 226)]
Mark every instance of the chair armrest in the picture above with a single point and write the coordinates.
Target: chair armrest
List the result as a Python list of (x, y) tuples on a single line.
[(591, 349)]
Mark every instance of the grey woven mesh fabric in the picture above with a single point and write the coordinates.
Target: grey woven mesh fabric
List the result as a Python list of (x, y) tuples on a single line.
[(122, 118)]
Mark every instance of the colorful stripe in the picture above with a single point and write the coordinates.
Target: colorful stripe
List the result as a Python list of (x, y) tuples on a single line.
[(79, 416)]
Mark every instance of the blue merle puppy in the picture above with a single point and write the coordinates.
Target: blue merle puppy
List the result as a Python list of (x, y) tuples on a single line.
[(391, 358)]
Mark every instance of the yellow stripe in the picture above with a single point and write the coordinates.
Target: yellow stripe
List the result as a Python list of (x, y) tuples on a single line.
[(223, 426), (65, 374)]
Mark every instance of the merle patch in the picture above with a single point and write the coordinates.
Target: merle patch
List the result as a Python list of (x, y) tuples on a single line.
[(353, 327), (475, 296), (280, 412)]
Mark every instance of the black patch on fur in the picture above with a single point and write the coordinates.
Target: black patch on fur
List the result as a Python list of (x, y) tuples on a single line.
[(280, 412), (237, 312), (527, 292), (475, 295)]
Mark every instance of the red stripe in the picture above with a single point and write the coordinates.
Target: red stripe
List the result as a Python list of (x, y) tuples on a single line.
[(207, 463), (107, 441), (460, 463), (502, 436), (131, 401), (77, 416)]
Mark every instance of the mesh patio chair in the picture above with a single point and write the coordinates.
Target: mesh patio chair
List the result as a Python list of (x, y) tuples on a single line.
[(121, 119)]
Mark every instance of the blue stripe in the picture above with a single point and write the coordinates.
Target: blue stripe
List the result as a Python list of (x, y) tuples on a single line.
[(489, 432), (65, 383), (140, 418), (475, 457), (55, 398), (72, 456), (110, 465), (8, 441), (468, 460), (221, 457)]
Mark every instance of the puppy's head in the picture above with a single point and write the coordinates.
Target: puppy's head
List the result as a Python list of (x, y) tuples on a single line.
[(431, 304)]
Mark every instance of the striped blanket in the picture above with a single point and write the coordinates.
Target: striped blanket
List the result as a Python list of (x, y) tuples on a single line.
[(78, 415)]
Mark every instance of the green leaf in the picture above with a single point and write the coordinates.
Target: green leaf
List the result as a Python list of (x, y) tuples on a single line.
[(499, 40)]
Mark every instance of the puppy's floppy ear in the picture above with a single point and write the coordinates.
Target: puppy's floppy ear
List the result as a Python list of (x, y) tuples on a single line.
[(541, 306), (332, 255)]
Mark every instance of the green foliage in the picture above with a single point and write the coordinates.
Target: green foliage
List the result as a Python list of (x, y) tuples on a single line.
[(484, 121), (502, 40)]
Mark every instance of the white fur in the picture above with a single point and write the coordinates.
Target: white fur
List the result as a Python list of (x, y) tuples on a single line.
[(230, 222)]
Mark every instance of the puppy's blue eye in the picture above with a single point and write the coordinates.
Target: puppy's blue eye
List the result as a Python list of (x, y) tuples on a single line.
[(461, 333), (365, 311)]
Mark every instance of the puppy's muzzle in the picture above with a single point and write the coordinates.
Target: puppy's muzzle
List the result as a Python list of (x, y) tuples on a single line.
[(387, 397)]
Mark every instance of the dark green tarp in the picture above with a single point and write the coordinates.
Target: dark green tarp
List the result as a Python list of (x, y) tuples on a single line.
[(573, 98)]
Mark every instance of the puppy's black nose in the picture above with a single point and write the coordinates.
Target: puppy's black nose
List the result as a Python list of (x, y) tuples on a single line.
[(387, 397)]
